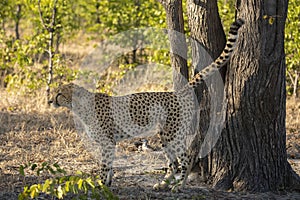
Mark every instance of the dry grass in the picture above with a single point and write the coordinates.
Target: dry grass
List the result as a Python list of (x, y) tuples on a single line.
[(293, 132), (293, 115), (30, 131)]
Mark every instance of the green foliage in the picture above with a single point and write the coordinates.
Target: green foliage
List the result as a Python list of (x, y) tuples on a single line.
[(227, 12), (82, 185), (292, 41), (16, 58), (23, 62), (128, 14)]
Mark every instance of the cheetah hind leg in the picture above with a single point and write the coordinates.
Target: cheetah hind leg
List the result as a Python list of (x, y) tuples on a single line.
[(168, 177), (185, 168), (172, 169)]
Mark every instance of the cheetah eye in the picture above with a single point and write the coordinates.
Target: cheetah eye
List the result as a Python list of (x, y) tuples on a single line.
[(56, 98)]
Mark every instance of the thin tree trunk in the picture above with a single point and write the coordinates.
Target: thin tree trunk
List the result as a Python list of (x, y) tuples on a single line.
[(50, 63), (50, 28), (251, 152), (97, 6), (177, 41), (17, 21)]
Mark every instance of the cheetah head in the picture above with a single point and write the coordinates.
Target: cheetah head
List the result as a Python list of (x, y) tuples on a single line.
[(63, 96)]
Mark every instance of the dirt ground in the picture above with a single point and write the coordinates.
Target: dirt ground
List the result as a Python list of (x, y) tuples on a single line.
[(33, 133)]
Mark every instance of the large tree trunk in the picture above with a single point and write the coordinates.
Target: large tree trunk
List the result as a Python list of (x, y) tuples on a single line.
[(208, 41), (251, 152)]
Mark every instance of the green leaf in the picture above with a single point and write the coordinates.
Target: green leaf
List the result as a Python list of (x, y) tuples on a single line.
[(90, 182), (61, 171), (56, 165), (33, 166), (80, 181), (39, 187), (46, 185), (59, 192), (78, 173), (100, 183), (22, 196), (38, 172), (44, 164), (21, 170), (51, 170), (67, 186), (62, 179), (34, 191)]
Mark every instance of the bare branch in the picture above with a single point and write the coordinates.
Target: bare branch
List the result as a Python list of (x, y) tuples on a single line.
[(54, 11), (49, 28), (41, 16), (291, 77)]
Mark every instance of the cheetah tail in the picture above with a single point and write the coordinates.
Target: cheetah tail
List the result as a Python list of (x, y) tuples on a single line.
[(222, 59)]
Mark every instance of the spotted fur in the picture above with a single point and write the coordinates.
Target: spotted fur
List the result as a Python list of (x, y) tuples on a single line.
[(108, 119)]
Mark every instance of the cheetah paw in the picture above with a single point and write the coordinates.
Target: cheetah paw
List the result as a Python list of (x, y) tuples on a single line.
[(176, 188), (156, 186), (159, 186)]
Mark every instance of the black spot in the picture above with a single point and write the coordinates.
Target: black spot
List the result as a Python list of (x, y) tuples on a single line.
[(229, 45), (232, 40), (233, 32), (218, 62)]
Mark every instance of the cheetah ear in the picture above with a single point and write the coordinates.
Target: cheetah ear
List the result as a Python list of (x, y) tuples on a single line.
[(76, 90), (74, 102)]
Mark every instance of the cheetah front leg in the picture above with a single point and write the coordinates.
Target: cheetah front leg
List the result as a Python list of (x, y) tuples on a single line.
[(105, 156), (106, 174)]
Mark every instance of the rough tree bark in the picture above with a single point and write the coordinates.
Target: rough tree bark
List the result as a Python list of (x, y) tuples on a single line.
[(251, 152), (177, 39), (207, 44)]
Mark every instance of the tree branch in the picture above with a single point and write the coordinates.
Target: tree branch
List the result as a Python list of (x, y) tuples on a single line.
[(49, 28), (41, 16), (54, 11)]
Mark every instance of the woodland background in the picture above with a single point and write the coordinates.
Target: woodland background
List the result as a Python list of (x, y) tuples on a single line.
[(43, 43), (77, 26)]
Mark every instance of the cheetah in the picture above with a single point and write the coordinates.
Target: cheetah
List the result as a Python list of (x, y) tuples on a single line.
[(110, 119)]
